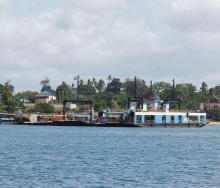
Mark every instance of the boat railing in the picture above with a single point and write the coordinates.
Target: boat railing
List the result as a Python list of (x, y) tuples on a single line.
[(186, 111)]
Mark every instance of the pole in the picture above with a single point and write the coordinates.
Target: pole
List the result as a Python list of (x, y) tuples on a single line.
[(135, 86), (173, 89), (77, 87), (151, 89), (64, 109)]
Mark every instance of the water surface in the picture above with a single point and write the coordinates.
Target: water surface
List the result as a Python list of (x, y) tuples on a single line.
[(35, 156)]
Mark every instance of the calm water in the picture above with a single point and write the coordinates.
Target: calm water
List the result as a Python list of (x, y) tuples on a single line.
[(109, 157)]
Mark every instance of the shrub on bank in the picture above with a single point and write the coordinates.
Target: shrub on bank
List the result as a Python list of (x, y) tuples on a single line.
[(214, 114), (44, 108)]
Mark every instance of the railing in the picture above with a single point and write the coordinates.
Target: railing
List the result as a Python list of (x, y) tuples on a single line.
[(185, 111)]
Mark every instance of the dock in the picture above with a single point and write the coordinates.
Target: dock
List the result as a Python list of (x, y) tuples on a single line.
[(9, 118)]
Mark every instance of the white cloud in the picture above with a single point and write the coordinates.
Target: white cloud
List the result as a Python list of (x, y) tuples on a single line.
[(5, 6), (97, 4), (154, 39)]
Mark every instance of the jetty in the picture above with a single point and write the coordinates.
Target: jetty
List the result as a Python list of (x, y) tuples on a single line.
[(10, 118)]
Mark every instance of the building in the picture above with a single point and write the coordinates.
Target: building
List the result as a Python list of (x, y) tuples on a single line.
[(210, 106), (44, 97)]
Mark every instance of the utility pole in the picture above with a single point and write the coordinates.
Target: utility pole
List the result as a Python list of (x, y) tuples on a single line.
[(173, 89), (135, 87), (151, 89), (77, 87)]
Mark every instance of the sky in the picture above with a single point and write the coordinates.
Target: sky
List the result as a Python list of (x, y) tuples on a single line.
[(154, 40)]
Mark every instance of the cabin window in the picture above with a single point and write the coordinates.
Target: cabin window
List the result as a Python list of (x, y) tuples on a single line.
[(180, 119), (158, 119), (193, 119), (203, 120), (149, 119), (139, 119), (168, 119), (164, 119), (172, 119)]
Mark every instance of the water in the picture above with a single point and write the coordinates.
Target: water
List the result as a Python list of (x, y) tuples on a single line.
[(109, 157)]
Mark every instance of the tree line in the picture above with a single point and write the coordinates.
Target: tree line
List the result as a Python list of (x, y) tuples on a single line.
[(112, 93)]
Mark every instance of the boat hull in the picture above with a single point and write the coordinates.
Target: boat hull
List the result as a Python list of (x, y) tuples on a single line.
[(119, 124)]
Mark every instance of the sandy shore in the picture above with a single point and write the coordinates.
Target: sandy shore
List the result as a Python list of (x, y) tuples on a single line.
[(213, 123)]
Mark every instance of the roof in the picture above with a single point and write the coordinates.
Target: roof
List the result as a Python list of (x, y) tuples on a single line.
[(45, 92), (41, 96)]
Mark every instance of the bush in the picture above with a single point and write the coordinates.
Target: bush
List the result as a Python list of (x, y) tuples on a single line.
[(214, 114), (44, 108), (2, 110)]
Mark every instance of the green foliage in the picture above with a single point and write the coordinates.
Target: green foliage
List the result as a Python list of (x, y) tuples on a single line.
[(64, 92), (7, 99), (111, 94), (87, 89), (162, 90), (27, 95), (114, 86), (129, 87), (100, 86), (188, 95), (44, 108), (214, 114), (2, 110)]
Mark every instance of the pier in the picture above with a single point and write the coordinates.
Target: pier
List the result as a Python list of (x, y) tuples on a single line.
[(9, 118)]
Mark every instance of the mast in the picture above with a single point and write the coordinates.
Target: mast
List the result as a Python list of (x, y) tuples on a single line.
[(77, 87)]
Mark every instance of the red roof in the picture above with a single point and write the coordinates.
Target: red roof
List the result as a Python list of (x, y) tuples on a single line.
[(41, 96)]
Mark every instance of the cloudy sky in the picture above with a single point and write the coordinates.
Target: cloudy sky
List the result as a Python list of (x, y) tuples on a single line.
[(153, 39)]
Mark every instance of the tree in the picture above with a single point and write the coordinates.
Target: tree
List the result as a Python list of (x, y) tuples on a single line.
[(129, 87), (188, 95), (86, 89), (212, 97), (204, 89), (216, 93), (109, 79), (204, 93), (27, 95), (162, 89), (1, 91), (7, 98), (214, 114), (122, 100), (89, 82), (100, 85), (63, 92), (114, 86)]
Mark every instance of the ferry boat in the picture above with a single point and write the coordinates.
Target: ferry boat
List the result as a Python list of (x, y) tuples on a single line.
[(152, 114), (138, 114)]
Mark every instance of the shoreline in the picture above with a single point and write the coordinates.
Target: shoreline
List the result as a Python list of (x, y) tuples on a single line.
[(212, 123)]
